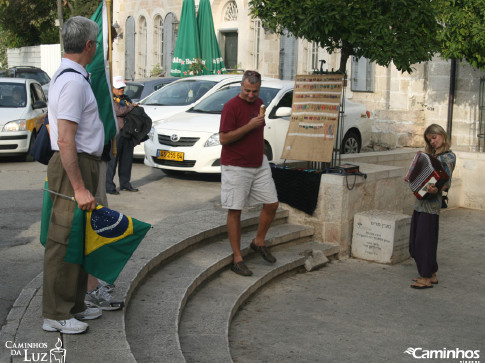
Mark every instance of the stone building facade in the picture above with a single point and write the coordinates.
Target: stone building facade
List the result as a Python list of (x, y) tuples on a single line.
[(402, 104)]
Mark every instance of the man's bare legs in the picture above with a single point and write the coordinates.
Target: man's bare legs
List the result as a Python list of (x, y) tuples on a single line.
[(234, 233), (234, 228), (265, 219)]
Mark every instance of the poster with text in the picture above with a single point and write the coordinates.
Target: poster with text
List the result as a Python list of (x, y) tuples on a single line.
[(314, 117)]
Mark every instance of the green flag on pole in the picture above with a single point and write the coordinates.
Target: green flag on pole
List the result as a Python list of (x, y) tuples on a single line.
[(187, 47), (100, 78), (209, 48)]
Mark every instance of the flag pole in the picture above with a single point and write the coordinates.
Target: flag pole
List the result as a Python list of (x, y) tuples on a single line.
[(110, 63), (110, 50)]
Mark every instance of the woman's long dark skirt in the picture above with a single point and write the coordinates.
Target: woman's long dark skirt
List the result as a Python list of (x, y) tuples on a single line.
[(423, 242)]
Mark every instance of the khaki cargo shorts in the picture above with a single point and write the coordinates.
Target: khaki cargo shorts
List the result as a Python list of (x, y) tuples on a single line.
[(247, 186)]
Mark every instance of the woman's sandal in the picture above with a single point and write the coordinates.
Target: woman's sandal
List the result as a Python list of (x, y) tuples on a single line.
[(434, 282), (420, 285)]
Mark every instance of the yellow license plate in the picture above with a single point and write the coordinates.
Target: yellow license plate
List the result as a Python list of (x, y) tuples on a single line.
[(170, 155)]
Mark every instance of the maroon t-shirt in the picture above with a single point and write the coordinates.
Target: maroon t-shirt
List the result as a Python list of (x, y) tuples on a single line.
[(247, 151)]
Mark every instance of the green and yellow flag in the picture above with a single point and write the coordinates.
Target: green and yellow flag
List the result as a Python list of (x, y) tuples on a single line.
[(102, 240)]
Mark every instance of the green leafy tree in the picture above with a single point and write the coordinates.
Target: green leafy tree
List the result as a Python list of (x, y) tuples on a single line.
[(26, 22), (400, 31), (84, 7), (34, 21), (463, 36), (3, 51)]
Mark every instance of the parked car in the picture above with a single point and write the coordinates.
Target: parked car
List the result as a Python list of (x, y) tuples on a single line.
[(141, 88), (23, 107), (29, 72), (180, 96), (189, 141)]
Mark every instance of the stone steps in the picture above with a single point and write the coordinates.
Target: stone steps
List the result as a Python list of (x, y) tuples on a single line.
[(159, 302), (200, 239), (106, 339), (204, 325)]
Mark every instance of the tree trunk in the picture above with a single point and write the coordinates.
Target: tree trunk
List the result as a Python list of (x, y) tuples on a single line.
[(344, 56), (345, 52)]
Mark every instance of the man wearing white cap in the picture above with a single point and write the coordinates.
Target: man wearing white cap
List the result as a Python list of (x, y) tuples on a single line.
[(124, 146)]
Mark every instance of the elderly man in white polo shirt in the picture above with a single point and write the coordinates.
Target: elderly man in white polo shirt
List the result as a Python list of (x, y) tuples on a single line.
[(77, 137)]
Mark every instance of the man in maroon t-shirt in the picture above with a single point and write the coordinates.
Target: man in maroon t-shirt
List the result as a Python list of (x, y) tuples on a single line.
[(246, 175)]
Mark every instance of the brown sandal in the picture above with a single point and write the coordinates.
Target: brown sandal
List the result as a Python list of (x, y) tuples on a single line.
[(420, 285), (434, 282)]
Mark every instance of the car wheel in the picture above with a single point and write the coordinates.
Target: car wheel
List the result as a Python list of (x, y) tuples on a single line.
[(28, 157), (173, 172), (268, 152), (351, 143)]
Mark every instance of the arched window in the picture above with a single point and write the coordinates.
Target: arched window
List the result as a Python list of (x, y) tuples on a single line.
[(158, 40), (230, 12), (142, 51)]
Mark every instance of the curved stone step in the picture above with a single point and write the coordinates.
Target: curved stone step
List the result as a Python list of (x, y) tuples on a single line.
[(106, 339), (204, 325), (152, 319)]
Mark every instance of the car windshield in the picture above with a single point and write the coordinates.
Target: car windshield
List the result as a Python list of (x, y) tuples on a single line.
[(40, 77), (215, 102), (134, 90), (12, 95), (179, 93)]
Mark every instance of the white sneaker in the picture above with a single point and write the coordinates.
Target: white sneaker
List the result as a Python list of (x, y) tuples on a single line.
[(107, 286), (71, 326), (89, 314), (102, 299)]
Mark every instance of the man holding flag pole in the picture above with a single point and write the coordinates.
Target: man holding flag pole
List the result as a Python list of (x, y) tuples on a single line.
[(77, 138)]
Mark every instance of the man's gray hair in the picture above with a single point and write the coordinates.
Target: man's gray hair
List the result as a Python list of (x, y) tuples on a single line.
[(253, 77), (76, 32)]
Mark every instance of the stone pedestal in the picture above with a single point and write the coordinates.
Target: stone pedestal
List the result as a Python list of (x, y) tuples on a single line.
[(381, 236)]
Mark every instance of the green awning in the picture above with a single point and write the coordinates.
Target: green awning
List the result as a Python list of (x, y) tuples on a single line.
[(210, 51), (187, 47)]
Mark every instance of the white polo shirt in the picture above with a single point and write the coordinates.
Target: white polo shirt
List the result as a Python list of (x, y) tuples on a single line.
[(71, 98)]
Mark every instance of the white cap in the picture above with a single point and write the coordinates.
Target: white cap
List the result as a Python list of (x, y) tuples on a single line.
[(118, 82)]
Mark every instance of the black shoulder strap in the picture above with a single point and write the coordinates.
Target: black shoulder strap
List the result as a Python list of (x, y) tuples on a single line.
[(72, 70)]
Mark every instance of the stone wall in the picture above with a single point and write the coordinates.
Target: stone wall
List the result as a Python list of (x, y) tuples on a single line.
[(340, 198), (467, 184), (384, 189)]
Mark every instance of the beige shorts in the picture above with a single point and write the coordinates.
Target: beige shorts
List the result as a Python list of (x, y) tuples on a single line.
[(247, 186)]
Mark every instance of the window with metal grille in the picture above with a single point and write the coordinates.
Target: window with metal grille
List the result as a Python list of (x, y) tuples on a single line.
[(362, 75), (158, 37)]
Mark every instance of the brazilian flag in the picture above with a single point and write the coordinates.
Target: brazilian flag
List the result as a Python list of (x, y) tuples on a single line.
[(102, 240)]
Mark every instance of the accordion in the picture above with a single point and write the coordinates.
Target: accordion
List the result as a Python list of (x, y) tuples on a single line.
[(425, 169)]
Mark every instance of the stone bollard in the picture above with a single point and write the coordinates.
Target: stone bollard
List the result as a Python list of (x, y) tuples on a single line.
[(381, 236)]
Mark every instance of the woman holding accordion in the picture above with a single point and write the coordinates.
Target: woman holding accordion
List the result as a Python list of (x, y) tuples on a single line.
[(423, 239)]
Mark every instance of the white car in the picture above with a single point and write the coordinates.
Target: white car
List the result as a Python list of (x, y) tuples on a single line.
[(189, 141), (23, 107), (180, 96)]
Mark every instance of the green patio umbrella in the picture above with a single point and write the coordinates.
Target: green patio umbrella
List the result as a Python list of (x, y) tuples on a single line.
[(186, 56), (210, 51)]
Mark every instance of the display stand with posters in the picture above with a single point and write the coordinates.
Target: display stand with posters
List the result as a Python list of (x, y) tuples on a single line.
[(312, 136)]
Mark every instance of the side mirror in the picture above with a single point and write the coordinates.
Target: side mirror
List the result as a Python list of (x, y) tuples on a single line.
[(39, 104), (283, 112)]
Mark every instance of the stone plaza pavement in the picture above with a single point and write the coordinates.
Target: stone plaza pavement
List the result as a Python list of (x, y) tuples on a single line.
[(347, 311)]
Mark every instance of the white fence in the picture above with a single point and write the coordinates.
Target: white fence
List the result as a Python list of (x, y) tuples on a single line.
[(47, 57)]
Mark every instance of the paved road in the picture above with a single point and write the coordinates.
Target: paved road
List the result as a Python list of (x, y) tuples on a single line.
[(21, 254)]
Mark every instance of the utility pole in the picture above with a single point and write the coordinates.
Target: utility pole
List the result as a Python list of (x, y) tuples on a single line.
[(61, 22)]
